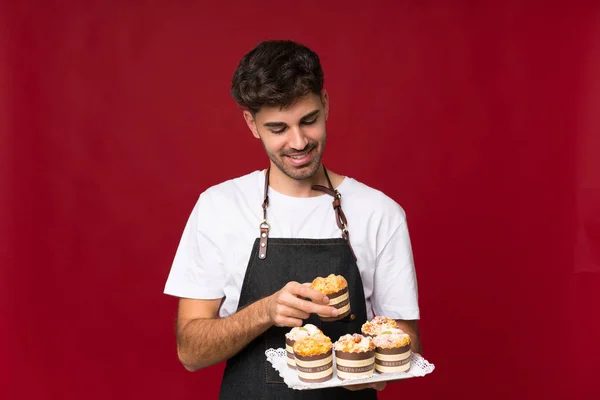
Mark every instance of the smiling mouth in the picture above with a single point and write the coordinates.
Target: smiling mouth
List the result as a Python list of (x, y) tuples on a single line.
[(298, 157), (301, 155), (301, 159)]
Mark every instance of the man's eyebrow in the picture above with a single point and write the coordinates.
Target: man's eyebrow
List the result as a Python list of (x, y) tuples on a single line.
[(276, 124), (310, 114)]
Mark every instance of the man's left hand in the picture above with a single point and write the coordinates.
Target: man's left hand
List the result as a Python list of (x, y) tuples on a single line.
[(375, 385)]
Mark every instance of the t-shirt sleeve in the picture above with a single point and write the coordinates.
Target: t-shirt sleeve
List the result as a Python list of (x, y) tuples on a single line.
[(197, 271), (395, 291)]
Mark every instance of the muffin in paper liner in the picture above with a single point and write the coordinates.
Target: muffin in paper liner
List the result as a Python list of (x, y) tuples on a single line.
[(393, 351), (314, 358), (335, 287), (354, 356), (295, 334)]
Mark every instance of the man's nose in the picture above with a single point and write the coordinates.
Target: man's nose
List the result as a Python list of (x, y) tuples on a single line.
[(298, 140)]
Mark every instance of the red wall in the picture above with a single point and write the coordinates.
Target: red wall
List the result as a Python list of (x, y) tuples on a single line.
[(481, 120)]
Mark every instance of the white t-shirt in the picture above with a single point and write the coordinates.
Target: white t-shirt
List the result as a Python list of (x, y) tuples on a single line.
[(211, 260)]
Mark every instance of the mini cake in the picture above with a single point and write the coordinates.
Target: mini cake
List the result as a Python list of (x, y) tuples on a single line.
[(393, 351), (293, 336), (354, 356), (335, 288), (314, 359), (378, 324)]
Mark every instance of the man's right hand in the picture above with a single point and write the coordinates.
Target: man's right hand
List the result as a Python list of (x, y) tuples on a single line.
[(288, 306)]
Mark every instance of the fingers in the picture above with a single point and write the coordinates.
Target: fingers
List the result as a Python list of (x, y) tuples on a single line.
[(379, 386), (304, 291), (284, 315), (292, 298), (282, 321), (293, 312), (357, 387), (289, 306)]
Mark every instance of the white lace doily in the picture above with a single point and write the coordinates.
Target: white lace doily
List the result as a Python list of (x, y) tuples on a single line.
[(277, 357)]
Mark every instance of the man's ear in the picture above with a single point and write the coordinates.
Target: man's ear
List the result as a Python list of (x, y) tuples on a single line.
[(325, 102), (251, 123)]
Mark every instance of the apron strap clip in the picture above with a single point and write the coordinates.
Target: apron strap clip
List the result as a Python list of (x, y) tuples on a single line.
[(264, 236)]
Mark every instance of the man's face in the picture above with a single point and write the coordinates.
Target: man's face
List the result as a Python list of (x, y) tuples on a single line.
[(294, 138)]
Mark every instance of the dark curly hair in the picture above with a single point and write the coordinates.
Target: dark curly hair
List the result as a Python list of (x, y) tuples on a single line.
[(276, 73)]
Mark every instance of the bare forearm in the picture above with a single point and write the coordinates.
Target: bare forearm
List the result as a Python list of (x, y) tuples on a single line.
[(203, 342)]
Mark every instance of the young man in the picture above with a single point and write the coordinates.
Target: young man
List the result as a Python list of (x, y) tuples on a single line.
[(251, 242)]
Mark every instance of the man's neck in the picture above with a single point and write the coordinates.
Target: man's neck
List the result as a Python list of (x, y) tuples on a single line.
[(295, 188)]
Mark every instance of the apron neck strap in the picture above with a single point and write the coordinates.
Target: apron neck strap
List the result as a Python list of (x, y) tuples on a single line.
[(329, 190), (340, 217)]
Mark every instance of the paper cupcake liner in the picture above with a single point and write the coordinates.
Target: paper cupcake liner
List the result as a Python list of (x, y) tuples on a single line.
[(314, 369), (391, 360), (354, 365), (341, 301), (289, 347)]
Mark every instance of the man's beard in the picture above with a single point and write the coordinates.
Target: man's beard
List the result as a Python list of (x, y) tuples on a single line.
[(304, 172)]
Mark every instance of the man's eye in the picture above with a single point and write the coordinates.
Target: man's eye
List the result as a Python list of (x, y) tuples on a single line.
[(312, 121), (281, 130)]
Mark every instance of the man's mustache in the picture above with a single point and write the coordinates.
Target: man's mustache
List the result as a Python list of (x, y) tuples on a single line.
[(307, 149)]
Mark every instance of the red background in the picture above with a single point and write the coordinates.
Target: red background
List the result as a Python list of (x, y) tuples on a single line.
[(481, 119)]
